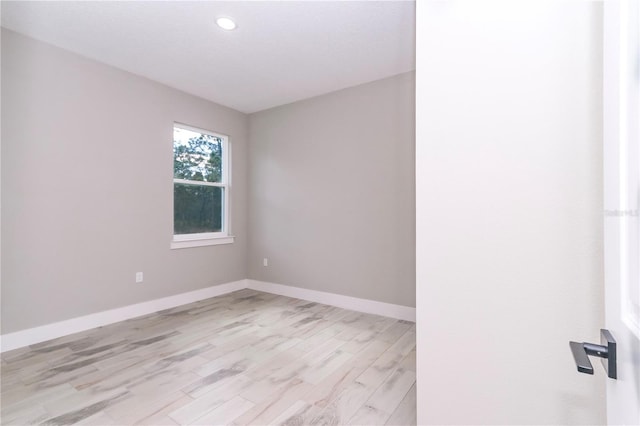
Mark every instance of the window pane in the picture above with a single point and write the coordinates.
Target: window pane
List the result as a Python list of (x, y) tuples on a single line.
[(196, 156), (197, 209)]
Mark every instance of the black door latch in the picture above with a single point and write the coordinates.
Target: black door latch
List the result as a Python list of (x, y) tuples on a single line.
[(606, 350)]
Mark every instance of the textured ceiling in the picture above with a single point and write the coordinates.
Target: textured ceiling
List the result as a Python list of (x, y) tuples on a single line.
[(281, 52)]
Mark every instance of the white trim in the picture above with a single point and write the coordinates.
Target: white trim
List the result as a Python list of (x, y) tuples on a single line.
[(43, 333), (346, 302), (199, 236), (224, 185), (200, 183), (620, 168), (200, 242), (199, 130)]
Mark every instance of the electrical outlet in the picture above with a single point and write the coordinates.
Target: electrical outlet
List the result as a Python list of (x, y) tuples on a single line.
[(265, 262), (139, 277)]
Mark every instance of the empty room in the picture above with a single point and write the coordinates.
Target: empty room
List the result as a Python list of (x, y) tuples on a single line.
[(204, 224), (320, 212)]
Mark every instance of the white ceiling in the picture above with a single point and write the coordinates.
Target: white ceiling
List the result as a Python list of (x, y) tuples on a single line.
[(281, 52)]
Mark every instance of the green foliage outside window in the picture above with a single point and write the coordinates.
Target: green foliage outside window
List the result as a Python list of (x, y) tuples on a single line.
[(197, 157)]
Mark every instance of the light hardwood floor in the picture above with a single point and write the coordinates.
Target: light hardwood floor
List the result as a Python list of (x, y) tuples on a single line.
[(243, 358)]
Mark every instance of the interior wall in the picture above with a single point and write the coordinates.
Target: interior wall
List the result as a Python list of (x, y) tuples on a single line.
[(332, 192), (87, 189), (509, 211)]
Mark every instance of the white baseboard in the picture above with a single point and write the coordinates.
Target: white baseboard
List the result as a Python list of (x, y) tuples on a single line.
[(43, 333), (74, 325), (346, 302)]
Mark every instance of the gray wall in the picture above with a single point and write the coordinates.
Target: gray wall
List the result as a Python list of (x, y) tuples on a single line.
[(332, 192), (87, 187), (509, 211)]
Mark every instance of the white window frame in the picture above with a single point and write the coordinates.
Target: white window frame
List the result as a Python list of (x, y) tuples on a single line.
[(207, 238)]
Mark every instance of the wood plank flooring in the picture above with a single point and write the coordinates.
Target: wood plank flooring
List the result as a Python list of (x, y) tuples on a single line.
[(245, 358)]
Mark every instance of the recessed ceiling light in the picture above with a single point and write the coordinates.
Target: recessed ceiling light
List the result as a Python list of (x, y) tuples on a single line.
[(226, 23)]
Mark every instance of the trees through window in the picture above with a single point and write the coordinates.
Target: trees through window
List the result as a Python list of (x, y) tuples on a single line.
[(200, 183)]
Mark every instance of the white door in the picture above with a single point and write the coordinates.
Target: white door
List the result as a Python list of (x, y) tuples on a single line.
[(510, 227), (621, 192)]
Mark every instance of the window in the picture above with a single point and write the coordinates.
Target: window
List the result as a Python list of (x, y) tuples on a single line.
[(200, 188)]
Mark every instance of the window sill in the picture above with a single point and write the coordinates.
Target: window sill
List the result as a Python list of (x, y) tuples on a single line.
[(201, 242)]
